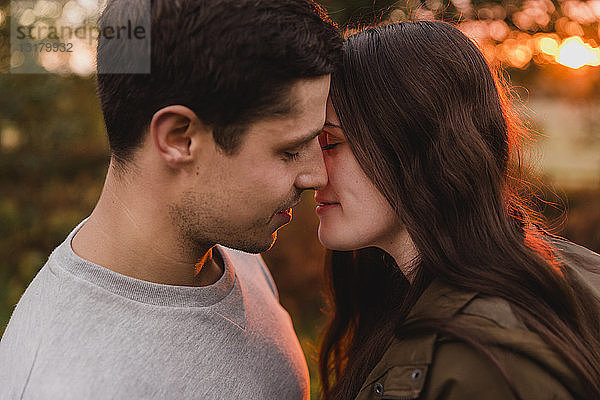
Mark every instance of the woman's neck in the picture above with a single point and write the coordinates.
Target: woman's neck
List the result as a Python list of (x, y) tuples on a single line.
[(404, 252)]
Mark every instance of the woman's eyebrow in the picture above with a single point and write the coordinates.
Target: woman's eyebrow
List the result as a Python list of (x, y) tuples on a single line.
[(332, 125)]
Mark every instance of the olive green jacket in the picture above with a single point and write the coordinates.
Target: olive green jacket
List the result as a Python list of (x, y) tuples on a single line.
[(432, 367)]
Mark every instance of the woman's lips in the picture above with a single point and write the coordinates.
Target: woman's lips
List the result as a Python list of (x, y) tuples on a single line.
[(324, 207)]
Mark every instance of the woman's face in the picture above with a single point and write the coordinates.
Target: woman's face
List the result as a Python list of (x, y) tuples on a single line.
[(353, 214)]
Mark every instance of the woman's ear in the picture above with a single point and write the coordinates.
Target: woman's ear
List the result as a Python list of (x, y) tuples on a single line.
[(175, 132)]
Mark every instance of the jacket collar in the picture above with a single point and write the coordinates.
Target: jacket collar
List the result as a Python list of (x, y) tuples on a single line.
[(405, 356), (439, 300)]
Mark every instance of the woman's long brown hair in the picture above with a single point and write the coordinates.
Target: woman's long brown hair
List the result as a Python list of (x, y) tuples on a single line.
[(430, 125)]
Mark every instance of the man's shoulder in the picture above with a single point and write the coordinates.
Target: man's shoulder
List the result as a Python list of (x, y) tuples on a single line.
[(44, 285), (249, 263), (27, 326)]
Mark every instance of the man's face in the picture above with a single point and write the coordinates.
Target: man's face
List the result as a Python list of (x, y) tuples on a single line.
[(241, 200)]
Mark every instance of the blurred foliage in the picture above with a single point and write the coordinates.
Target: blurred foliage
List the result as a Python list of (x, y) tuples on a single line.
[(54, 155), (50, 175)]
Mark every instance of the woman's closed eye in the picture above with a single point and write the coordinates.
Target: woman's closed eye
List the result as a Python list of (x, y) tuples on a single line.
[(326, 142), (329, 146)]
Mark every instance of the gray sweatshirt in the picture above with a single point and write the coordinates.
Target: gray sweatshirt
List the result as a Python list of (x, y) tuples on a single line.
[(81, 331)]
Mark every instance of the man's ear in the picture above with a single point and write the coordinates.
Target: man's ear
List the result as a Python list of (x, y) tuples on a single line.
[(175, 132)]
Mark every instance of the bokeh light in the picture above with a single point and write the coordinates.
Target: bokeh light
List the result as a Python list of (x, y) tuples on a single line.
[(563, 33), (574, 53)]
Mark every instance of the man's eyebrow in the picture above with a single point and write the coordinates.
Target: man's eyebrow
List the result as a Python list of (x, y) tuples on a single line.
[(300, 142)]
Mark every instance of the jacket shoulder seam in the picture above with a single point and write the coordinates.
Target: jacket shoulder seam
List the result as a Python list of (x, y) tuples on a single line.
[(496, 310)]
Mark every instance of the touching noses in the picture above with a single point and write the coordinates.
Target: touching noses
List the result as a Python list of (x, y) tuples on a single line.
[(313, 174)]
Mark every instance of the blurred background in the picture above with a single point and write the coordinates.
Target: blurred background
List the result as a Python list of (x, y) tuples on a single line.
[(54, 155)]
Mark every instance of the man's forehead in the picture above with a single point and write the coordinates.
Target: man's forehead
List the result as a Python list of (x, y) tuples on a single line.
[(302, 115), (302, 95)]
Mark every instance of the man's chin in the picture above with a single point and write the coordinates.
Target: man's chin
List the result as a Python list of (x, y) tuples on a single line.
[(270, 244), (254, 247), (274, 239)]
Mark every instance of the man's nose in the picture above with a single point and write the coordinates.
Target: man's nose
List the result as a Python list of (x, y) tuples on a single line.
[(314, 173)]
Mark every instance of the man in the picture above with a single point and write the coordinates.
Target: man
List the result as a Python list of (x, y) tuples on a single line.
[(213, 147)]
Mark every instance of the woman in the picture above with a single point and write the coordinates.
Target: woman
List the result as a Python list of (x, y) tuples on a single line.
[(442, 286)]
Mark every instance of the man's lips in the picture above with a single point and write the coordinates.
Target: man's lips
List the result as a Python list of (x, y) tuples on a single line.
[(288, 210), (286, 215)]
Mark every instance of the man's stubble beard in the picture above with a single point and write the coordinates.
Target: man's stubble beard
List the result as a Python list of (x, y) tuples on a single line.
[(198, 229)]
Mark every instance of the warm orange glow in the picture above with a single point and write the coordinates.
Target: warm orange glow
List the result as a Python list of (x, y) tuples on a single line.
[(549, 46), (543, 48), (516, 52), (518, 49), (574, 53)]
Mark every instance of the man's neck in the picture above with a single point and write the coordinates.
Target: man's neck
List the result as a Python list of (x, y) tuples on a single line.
[(136, 243)]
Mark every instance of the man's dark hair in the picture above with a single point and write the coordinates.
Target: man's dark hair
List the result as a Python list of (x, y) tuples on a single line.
[(230, 61)]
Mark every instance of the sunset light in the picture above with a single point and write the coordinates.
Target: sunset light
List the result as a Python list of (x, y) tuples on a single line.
[(574, 53), (147, 148), (537, 32), (519, 49)]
